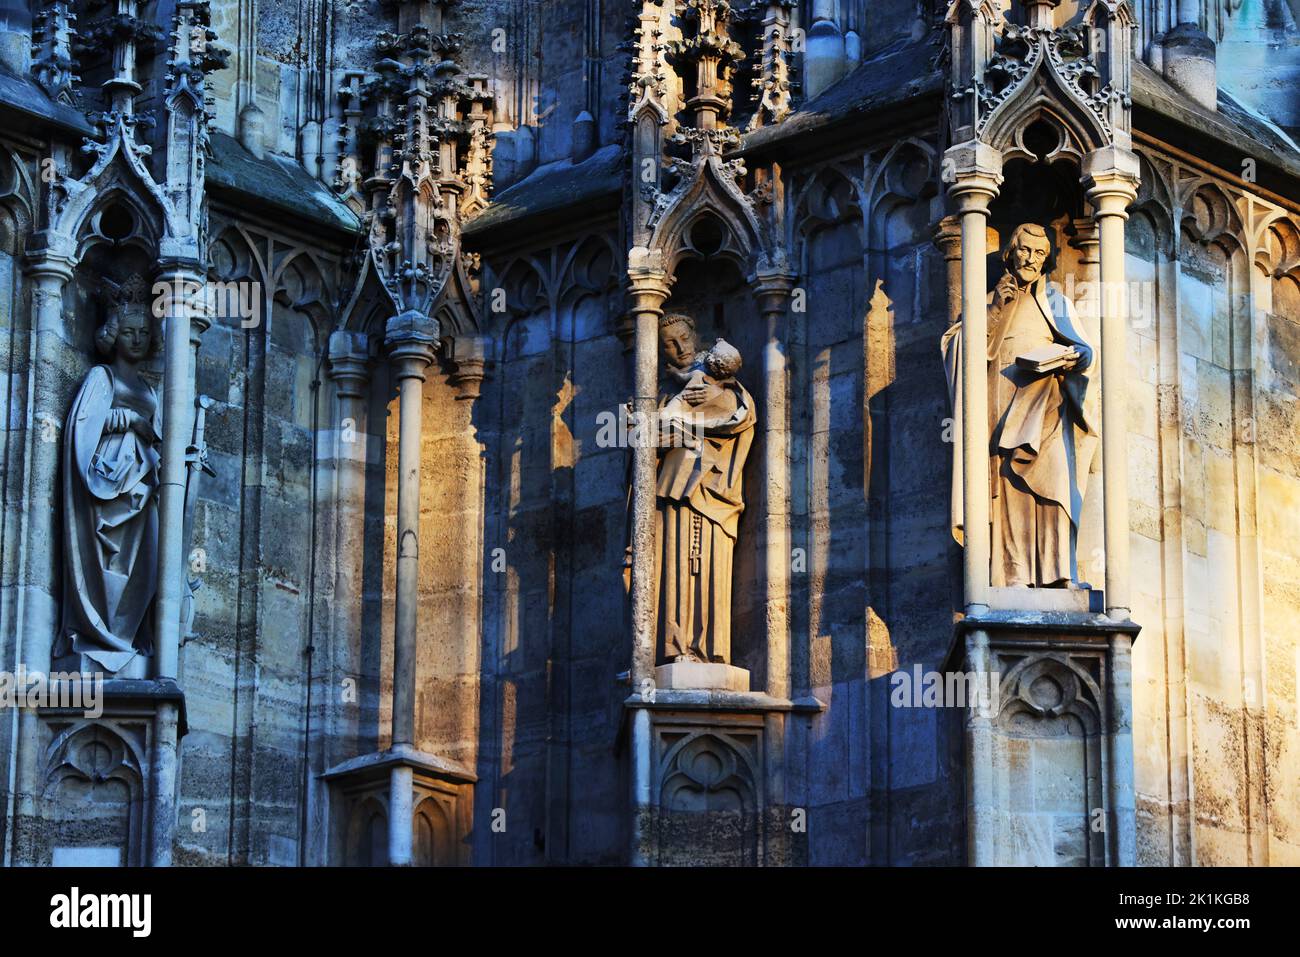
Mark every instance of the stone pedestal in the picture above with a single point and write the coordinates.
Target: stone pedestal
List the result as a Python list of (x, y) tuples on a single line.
[(94, 767), (360, 800), (1048, 738), (701, 675), (713, 761)]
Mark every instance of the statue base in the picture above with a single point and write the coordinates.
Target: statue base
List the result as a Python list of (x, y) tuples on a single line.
[(701, 676), (1046, 706), (708, 774)]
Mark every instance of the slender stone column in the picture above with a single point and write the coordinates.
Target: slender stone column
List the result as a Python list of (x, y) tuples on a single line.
[(1111, 191), (411, 339), (974, 187), (38, 581), (36, 616), (349, 356), (185, 283), (180, 343), (1111, 176), (772, 289), (1123, 805), (647, 290), (980, 822), (947, 236)]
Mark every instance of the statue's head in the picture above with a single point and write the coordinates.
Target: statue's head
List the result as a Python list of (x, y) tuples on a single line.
[(128, 330), (678, 340), (1027, 252)]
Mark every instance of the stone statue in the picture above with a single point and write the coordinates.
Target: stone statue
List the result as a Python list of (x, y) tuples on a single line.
[(110, 495), (706, 427), (1041, 436)]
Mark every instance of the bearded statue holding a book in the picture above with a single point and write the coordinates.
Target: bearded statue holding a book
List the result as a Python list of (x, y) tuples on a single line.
[(1041, 436)]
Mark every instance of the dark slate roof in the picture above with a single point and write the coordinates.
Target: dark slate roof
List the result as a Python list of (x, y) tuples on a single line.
[(25, 95), (1156, 103), (557, 190), (894, 76), (276, 181)]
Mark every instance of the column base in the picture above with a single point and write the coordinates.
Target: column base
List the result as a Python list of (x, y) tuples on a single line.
[(442, 806), (94, 780)]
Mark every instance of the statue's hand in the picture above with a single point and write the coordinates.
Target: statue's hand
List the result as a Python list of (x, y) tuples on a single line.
[(118, 420), (1005, 290), (142, 427), (696, 394)]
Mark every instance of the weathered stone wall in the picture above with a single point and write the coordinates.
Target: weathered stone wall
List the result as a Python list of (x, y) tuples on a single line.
[(1214, 692), (522, 628)]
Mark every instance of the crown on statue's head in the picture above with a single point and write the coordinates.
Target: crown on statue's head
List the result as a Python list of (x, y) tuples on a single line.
[(132, 293)]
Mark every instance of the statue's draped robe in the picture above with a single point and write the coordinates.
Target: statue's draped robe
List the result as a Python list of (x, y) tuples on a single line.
[(1041, 439), (698, 511), (110, 524)]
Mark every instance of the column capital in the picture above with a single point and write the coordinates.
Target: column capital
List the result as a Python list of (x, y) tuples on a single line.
[(773, 277), (411, 338), (51, 259), (1086, 232), (973, 172), (349, 367), (1111, 177), (946, 235), (469, 354), (188, 291)]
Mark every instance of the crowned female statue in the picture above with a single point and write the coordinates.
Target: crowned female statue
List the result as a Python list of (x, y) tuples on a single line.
[(110, 496)]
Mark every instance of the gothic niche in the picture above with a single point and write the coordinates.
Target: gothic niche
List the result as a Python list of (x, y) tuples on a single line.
[(707, 426), (1051, 724), (111, 444), (1043, 419)]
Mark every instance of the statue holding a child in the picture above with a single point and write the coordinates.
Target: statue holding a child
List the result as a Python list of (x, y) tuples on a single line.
[(706, 427)]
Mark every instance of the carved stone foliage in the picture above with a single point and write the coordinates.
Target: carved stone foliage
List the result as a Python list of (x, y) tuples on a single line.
[(681, 100), (53, 37)]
